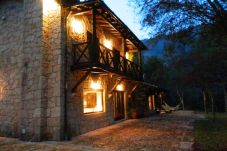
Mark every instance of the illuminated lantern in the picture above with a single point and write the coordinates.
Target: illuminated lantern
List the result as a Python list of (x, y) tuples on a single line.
[(95, 85), (77, 26), (108, 44), (129, 56), (120, 87), (49, 5)]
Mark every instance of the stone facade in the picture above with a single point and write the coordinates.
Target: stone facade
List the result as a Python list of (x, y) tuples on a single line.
[(31, 70), (79, 122), (33, 42), (11, 46)]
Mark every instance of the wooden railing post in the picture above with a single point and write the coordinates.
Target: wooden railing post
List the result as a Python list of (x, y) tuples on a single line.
[(140, 65), (124, 49), (94, 51)]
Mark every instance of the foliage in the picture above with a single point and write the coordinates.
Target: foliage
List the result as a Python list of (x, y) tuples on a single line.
[(166, 17), (155, 71), (195, 56), (211, 135)]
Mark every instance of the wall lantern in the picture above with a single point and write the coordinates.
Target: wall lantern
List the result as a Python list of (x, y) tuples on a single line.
[(77, 26), (108, 44), (50, 5), (120, 87), (96, 85), (129, 56)]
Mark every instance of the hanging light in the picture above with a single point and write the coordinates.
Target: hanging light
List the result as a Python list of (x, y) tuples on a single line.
[(120, 87), (77, 26), (96, 85), (108, 44)]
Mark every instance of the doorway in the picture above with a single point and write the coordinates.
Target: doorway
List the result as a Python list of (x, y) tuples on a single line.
[(119, 107)]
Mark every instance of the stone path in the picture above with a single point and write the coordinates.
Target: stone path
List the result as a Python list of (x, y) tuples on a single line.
[(168, 132)]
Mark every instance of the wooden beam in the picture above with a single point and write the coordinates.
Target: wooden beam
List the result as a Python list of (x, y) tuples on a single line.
[(81, 80)]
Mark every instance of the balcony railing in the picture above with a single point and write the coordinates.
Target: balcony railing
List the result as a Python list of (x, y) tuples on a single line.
[(89, 56)]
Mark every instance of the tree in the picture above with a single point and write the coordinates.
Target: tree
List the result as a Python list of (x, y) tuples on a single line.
[(167, 17), (200, 24), (155, 71)]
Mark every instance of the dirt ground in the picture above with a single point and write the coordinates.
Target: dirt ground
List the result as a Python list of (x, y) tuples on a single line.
[(167, 132)]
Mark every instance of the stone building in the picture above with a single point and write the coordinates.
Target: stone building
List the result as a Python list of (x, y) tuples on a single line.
[(66, 68)]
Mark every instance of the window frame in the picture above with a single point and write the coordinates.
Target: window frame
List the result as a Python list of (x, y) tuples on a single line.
[(103, 100)]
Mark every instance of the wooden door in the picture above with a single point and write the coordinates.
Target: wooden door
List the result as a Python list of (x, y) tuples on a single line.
[(119, 108)]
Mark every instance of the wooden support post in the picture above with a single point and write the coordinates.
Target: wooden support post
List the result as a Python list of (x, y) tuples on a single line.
[(124, 48), (140, 64), (94, 24), (94, 51)]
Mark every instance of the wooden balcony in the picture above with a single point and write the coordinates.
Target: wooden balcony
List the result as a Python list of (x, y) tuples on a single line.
[(96, 57)]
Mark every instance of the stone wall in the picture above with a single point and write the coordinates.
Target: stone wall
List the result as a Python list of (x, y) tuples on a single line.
[(32, 60), (79, 122), (102, 34), (31, 70), (11, 46), (52, 71)]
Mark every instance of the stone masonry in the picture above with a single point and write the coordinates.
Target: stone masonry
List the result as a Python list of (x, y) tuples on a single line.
[(33, 42), (31, 70)]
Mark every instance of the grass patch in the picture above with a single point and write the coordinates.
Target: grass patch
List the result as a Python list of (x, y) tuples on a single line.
[(209, 135)]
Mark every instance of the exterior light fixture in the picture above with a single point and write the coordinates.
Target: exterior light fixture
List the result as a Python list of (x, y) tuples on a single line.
[(129, 56), (96, 85), (120, 87), (77, 26), (50, 6), (108, 44)]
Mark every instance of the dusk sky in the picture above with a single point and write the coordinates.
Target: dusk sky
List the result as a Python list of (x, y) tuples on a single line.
[(128, 15)]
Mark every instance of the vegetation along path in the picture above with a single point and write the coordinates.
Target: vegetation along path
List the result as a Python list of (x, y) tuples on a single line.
[(168, 132)]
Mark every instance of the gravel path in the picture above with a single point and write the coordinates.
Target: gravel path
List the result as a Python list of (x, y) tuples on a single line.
[(168, 132)]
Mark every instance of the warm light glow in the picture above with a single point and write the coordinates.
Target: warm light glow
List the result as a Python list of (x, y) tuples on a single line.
[(96, 85), (99, 106), (77, 26), (50, 6), (120, 87), (129, 56), (1, 90), (108, 44), (85, 103), (93, 101)]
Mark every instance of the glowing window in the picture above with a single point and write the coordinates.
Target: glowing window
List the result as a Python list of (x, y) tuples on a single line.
[(93, 101)]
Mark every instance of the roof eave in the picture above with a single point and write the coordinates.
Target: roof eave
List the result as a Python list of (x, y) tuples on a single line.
[(100, 4)]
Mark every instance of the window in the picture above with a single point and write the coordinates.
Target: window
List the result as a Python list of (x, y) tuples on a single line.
[(93, 101)]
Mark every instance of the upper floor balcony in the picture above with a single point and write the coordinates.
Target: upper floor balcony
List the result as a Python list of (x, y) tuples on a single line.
[(93, 27), (97, 57)]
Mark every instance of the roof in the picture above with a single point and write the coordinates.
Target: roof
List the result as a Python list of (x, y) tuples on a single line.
[(105, 12)]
